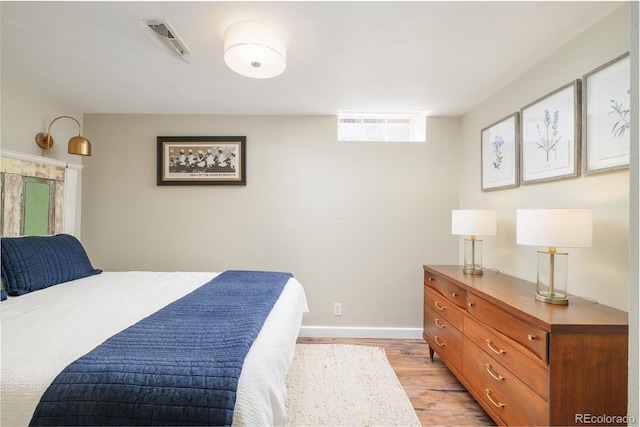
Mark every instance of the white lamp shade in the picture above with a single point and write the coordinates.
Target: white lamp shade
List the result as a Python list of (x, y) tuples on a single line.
[(473, 222), (254, 49), (567, 228)]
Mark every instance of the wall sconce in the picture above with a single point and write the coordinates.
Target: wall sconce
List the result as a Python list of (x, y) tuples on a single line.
[(570, 228), (254, 49), (473, 223), (77, 145)]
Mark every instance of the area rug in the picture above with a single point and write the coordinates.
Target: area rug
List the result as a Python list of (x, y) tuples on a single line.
[(345, 385)]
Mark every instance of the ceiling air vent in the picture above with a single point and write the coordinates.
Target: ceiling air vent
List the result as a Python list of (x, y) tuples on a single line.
[(162, 31)]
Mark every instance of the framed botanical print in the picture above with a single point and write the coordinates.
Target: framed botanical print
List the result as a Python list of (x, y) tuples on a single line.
[(499, 161), (550, 135), (606, 105), (202, 160)]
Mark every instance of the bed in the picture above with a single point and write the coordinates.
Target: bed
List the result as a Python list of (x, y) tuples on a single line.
[(47, 329)]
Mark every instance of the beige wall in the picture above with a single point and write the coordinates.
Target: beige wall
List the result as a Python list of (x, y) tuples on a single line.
[(354, 222), (634, 226), (24, 114), (599, 272)]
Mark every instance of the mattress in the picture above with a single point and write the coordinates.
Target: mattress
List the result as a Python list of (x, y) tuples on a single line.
[(42, 332)]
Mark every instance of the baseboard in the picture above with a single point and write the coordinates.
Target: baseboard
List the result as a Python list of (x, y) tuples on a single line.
[(359, 332)]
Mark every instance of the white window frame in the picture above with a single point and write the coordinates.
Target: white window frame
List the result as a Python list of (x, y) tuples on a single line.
[(416, 122)]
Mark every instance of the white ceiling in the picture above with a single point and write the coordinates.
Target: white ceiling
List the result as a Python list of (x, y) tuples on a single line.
[(445, 57)]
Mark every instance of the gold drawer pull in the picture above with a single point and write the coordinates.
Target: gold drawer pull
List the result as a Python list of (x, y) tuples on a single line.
[(531, 337), (455, 294), (430, 279), (438, 306), (471, 304), (492, 348), (438, 324), (497, 404), (495, 376), (441, 344)]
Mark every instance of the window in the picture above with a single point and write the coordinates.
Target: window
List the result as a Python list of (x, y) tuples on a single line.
[(382, 126)]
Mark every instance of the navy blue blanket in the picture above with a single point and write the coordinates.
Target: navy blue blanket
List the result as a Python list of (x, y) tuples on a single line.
[(179, 366)]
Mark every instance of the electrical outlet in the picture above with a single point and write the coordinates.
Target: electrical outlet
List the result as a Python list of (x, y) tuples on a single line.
[(337, 309)]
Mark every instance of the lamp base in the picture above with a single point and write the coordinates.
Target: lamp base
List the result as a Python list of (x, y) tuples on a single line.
[(552, 277), (472, 256), (470, 270), (555, 298)]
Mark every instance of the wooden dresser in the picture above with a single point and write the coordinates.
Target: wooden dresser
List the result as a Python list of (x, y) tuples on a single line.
[(524, 361)]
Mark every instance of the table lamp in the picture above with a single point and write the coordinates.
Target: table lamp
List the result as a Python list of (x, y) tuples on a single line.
[(473, 223), (567, 228)]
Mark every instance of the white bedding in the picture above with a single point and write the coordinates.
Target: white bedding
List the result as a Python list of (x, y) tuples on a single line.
[(44, 331)]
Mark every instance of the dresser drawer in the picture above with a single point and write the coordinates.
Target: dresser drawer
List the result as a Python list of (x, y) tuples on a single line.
[(444, 308), (452, 292), (529, 336), (511, 399), (443, 338), (528, 368)]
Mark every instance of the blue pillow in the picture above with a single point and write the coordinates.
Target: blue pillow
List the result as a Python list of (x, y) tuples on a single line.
[(32, 263)]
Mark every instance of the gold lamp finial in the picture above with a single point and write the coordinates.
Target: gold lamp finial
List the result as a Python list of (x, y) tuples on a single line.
[(77, 144)]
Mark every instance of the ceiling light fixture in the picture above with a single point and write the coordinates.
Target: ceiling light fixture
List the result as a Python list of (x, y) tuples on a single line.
[(255, 50)]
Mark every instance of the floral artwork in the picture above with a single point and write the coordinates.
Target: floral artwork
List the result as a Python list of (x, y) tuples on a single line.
[(607, 103), (550, 135), (622, 117), (499, 154), (497, 147)]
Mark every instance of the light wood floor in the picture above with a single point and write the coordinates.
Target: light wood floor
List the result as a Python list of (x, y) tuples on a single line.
[(437, 396)]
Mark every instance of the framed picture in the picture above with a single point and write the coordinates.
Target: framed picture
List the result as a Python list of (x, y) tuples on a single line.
[(499, 153), (607, 101), (550, 135), (202, 160)]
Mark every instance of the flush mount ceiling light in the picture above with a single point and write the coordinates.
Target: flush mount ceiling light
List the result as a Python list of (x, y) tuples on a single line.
[(254, 49)]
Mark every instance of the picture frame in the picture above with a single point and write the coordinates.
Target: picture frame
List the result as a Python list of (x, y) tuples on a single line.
[(499, 160), (606, 106), (551, 135), (201, 160)]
